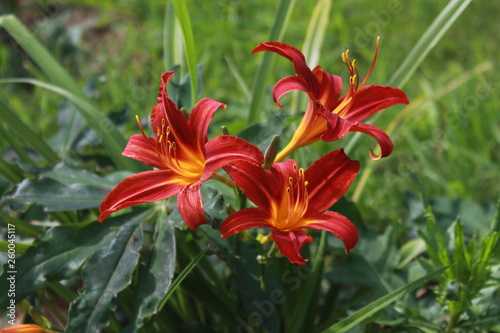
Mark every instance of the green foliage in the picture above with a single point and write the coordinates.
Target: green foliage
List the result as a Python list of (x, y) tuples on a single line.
[(70, 89), (463, 283), (106, 273)]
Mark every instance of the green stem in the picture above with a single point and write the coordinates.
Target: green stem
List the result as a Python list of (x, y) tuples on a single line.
[(223, 180)]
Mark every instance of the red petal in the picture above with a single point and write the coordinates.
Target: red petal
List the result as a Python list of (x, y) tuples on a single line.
[(226, 149), (201, 116), (336, 127), (261, 186), (158, 112), (382, 138), (191, 206), (338, 225), (166, 113), (143, 149), (328, 179), (287, 84), (142, 187), (371, 99), (298, 59), (331, 88), (290, 243), (243, 220)]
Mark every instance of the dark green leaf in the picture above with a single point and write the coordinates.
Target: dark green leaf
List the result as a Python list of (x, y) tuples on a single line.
[(59, 254), (213, 203), (67, 175), (105, 274), (157, 275), (262, 134), (54, 196), (379, 304)]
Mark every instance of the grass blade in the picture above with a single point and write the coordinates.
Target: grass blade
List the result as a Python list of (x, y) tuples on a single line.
[(379, 304), (238, 77), (173, 49), (259, 87), (428, 41), (39, 54), (185, 272), (187, 33), (29, 137), (312, 45), (111, 138)]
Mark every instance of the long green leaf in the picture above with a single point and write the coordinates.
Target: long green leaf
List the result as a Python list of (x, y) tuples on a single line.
[(379, 304), (182, 14), (105, 274), (20, 247), (157, 276), (59, 254), (22, 227), (173, 50), (428, 41), (29, 137), (16, 145), (259, 86), (297, 322), (185, 272), (54, 196), (111, 138), (39, 54)]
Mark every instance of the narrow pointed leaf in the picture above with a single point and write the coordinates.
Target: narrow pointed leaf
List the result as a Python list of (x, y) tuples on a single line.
[(111, 138), (182, 14), (259, 86), (178, 280), (379, 304), (30, 138), (39, 54), (428, 41)]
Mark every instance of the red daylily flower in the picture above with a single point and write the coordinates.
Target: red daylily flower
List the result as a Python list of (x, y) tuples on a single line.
[(182, 155), (25, 328), (290, 199), (329, 116)]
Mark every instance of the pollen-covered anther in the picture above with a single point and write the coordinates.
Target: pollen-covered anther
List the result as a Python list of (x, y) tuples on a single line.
[(139, 124), (301, 172)]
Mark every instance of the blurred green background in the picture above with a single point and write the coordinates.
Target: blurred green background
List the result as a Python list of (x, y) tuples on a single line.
[(446, 141)]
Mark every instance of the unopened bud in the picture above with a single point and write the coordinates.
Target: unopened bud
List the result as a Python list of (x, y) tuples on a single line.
[(271, 152), (185, 112)]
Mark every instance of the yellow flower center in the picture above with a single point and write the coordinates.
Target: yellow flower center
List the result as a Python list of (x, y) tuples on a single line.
[(289, 213), (188, 164)]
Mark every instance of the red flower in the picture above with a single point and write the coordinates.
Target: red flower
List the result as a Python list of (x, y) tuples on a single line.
[(329, 116), (182, 155), (290, 199), (25, 328)]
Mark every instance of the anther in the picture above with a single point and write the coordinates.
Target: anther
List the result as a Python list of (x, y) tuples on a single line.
[(290, 180)]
